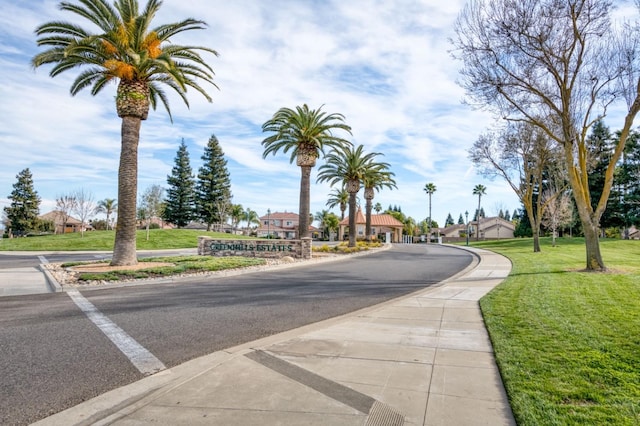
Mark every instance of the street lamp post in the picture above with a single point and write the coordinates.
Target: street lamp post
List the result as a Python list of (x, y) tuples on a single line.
[(269, 223), (466, 215)]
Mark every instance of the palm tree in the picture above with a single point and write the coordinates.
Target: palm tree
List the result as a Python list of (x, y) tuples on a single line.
[(141, 59), (321, 217), (429, 188), (479, 190), (332, 223), (338, 197), (378, 208), (251, 216), (237, 214), (107, 206), (306, 133), (347, 166), (376, 177)]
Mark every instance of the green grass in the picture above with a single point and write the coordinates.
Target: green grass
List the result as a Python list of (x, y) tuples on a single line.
[(568, 342), (103, 240), (182, 265)]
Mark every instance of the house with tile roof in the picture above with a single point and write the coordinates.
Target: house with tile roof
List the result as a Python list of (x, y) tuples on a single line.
[(280, 225), (380, 225)]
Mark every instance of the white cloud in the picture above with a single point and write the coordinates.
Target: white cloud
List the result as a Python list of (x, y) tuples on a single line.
[(383, 64)]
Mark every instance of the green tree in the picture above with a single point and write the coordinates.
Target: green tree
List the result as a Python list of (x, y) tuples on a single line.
[(213, 184), (376, 177), (108, 207), (430, 189), (251, 216), (378, 208), (460, 220), (306, 133), (180, 206), (347, 166), (332, 222), (321, 217), (479, 190), (237, 214), (22, 213), (338, 197), (449, 220), (142, 60)]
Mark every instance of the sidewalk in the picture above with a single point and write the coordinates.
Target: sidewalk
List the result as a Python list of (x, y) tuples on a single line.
[(424, 359)]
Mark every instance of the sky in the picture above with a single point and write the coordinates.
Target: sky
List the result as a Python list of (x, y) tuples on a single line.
[(385, 65)]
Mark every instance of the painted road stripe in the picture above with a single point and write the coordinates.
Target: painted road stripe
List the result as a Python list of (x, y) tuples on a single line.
[(141, 358)]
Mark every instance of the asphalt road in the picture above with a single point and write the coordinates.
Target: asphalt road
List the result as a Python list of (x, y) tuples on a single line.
[(53, 357)]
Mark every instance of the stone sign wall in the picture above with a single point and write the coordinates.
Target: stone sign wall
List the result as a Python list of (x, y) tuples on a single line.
[(300, 249)]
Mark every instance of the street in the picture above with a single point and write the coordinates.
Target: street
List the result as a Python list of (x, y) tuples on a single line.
[(53, 357)]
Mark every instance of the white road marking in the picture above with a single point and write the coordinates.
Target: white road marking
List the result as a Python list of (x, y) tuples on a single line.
[(43, 260), (140, 357)]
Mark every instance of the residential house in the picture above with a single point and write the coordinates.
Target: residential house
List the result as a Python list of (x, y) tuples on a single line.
[(491, 228), (64, 223), (280, 225), (380, 225)]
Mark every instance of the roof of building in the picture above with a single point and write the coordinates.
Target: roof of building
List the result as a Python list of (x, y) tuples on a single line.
[(57, 215), (376, 220), (280, 215)]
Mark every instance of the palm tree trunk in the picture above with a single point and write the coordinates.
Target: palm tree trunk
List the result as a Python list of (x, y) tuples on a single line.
[(124, 250), (429, 236), (478, 221), (305, 189), (368, 195), (352, 218)]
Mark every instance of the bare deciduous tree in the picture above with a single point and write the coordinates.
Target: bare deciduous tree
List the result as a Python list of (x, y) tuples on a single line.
[(523, 156), (65, 204), (151, 204), (85, 206), (559, 211), (558, 65)]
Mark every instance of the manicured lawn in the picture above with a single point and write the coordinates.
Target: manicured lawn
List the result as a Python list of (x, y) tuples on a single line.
[(568, 342), (103, 240)]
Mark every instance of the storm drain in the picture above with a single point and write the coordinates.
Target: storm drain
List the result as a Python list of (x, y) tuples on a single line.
[(379, 414)]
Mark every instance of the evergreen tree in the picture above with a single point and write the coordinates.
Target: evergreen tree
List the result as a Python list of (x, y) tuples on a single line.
[(507, 216), (213, 187), (449, 220), (600, 143), (22, 214), (180, 206), (460, 220)]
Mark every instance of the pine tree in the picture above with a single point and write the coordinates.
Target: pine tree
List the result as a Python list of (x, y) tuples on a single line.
[(213, 187), (22, 214), (460, 220), (449, 221), (180, 205), (600, 144)]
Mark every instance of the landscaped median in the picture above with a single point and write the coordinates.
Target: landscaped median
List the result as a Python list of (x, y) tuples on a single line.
[(568, 342)]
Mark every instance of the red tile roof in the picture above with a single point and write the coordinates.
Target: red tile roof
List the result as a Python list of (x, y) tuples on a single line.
[(376, 220)]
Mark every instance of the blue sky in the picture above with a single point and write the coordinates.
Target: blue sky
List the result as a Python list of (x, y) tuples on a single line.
[(385, 65)]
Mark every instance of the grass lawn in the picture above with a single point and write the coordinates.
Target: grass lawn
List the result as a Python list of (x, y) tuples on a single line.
[(103, 240), (568, 342)]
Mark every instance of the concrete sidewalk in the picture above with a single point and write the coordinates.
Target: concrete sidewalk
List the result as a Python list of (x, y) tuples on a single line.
[(424, 359)]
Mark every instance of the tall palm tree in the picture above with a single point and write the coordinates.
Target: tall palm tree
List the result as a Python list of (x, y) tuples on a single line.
[(378, 208), (479, 190), (107, 206), (376, 177), (429, 188), (306, 132), (347, 166), (141, 59), (338, 197)]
